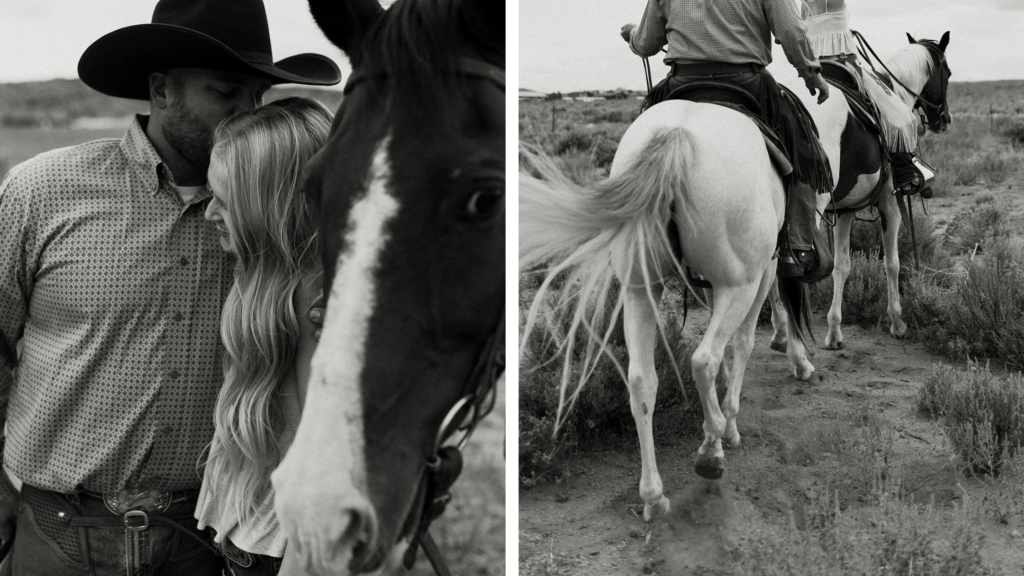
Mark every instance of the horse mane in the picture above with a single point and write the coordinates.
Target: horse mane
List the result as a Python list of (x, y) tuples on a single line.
[(912, 64), (408, 49)]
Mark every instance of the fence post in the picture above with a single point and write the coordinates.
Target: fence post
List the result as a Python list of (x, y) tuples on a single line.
[(553, 102)]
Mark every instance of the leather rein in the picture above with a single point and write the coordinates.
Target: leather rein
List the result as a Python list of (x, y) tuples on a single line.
[(479, 396), (445, 463), (939, 109)]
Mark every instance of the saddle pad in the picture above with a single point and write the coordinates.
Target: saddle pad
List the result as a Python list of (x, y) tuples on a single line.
[(742, 101)]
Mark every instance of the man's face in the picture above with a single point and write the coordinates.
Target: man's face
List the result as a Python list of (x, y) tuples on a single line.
[(197, 100)]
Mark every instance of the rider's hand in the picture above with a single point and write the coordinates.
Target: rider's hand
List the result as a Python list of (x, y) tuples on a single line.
[(626, 31), (817, 84)]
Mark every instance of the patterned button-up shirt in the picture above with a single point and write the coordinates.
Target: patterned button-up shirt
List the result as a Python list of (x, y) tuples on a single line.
[(730, 31), (115, 288)]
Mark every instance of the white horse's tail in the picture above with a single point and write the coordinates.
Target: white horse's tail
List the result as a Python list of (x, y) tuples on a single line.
[(588, 238)]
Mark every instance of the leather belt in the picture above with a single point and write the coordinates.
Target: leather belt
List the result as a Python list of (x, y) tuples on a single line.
[(134, 520), (713, 68)]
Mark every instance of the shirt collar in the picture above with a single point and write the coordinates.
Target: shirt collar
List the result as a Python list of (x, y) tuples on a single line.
[(142, 157)]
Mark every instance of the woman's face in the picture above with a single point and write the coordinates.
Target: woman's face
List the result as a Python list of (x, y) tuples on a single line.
[(217, 211)]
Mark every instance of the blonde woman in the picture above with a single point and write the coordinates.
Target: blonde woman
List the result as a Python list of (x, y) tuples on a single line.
[(254, 175), (828, 30)]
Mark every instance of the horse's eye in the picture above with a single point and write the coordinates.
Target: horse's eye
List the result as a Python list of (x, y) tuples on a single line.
[(485, 202)]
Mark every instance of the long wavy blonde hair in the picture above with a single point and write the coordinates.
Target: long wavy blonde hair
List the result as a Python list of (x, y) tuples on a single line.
[(275, 238)]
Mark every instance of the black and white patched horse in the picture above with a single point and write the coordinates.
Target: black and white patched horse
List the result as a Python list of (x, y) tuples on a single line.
[(410, 193), (857, 158)]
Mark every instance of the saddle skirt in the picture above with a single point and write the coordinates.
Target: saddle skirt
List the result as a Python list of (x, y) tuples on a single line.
[(898, 124), (789, 133)]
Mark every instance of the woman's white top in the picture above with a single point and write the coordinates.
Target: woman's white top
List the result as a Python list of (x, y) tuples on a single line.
[(828, 28)]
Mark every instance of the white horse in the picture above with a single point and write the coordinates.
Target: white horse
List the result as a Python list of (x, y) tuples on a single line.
[(707, 167), (921, 68)]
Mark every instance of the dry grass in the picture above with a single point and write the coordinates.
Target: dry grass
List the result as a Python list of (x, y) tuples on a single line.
[(983, 414)]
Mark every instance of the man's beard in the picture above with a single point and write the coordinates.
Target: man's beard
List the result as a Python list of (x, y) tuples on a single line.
[(188, 135)]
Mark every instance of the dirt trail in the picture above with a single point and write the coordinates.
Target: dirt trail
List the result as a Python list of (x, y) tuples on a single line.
[(591, 525)]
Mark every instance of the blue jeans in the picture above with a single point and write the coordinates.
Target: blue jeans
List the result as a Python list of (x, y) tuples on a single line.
[(45, 545)]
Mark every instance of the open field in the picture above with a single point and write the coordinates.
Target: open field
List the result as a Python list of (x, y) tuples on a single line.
[(845, 474)]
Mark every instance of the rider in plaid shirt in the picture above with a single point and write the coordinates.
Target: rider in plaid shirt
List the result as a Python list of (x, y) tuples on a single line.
[(730, 41)]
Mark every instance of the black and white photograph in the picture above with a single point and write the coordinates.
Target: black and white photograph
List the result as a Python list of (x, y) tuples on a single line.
[(771, 287), (252, 287)]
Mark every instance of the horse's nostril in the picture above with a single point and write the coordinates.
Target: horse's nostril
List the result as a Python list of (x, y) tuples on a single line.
[(362, 533)]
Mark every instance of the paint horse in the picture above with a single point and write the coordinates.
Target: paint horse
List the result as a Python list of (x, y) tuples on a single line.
[(856, 151), (706, 168), (410, 192)]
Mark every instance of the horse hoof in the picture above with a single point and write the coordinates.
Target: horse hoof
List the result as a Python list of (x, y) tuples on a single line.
[(709, 467), (660, 508), (778, 346), (803, 373), (899, 332), (731, 443), (835, 345)]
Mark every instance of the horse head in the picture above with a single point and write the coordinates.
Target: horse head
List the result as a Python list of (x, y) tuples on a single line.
[(410, 192), (932, 97)]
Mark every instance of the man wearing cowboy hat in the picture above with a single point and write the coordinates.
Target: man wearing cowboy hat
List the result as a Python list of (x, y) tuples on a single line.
[(113, 282)]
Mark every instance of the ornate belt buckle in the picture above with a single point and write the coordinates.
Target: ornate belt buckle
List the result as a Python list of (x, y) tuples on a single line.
[(132, 526)]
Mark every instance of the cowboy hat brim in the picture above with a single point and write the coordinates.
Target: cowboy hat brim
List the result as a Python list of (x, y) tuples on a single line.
[(119, 63)]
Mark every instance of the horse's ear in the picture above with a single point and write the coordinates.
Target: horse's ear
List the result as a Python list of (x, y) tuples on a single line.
[(346, 22), (944, 41), (911, 38), (485, 20)]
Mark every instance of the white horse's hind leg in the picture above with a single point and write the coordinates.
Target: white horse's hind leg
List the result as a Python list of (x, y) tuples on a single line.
[(742, 346), (841, 271), (780, 321), (723, 368), (640, 321), (731, 307), (890, 237)]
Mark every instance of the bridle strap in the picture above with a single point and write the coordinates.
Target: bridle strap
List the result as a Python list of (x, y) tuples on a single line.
[(465, 66), (445, 463), (920, 100)]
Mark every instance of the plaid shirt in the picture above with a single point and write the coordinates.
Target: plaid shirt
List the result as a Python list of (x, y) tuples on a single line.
[(729, 31), (115, 288)]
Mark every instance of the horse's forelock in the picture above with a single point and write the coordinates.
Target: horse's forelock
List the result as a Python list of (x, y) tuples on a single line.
[(407, 50)]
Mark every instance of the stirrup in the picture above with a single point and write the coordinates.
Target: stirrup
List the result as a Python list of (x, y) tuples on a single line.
[(924, 175)]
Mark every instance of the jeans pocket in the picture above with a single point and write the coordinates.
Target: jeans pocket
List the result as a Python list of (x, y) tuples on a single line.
[(48, 512), (237, 558), (185, 546)]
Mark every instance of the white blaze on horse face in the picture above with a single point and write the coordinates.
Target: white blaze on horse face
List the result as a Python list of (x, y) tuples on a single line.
[(321, 485)]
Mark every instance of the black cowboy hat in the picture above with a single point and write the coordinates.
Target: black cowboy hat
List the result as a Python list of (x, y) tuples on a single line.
[(230, 35)]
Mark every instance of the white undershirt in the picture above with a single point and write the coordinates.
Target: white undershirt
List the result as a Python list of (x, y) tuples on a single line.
[(187, 193)]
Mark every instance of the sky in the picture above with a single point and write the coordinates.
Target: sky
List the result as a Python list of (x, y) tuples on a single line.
[(571, 45), (43, 39)]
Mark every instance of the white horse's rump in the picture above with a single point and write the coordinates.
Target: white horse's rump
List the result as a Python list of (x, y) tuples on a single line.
[(707, 166)]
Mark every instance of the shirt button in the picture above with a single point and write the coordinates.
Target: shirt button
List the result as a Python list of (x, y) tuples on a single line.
[(183, 261), (178, 316), (174, 375)]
